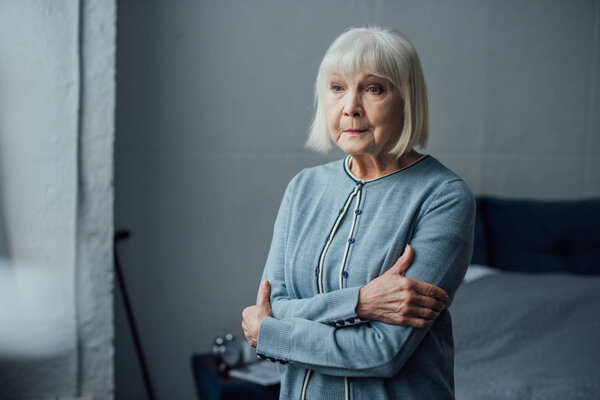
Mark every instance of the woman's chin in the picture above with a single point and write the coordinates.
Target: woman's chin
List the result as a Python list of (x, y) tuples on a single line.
[(353, 146), (354, 152)]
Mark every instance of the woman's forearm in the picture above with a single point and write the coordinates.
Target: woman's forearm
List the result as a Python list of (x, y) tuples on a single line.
[(368, 350), (394, 299), (377, 348), (390, 298), (335, 308)]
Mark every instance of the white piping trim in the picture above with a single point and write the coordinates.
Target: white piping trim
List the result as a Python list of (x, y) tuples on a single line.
[(347, 165), (331, 235), (345, 257), (305, 384), (347, 388), (355, 193)]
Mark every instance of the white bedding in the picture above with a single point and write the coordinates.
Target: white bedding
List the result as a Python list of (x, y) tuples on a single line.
[(527, 336), (476, 271)]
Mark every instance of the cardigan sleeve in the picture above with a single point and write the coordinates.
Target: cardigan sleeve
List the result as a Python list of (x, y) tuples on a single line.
[(337, 308), (443, 242)]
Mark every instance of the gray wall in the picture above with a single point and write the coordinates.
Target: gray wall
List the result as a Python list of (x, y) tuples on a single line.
[(213, 103), (38, 174), (57, 99)]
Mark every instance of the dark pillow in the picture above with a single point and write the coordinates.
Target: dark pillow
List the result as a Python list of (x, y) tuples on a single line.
[(542, 236)]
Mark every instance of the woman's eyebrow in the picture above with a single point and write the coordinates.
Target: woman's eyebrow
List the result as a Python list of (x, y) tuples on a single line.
[(378, 78)]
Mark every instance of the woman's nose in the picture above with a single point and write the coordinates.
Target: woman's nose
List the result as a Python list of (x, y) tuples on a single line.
[(353, 106)]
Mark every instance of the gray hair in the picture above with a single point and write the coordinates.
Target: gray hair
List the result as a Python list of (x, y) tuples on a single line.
[(381, 52)]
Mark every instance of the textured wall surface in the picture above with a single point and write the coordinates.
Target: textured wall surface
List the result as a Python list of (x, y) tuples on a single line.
[(38, 174), (57, 99), (213, 102), (38, 127), (94, 274)]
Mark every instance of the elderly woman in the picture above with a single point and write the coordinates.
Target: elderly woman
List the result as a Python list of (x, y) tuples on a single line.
[(347, 307)]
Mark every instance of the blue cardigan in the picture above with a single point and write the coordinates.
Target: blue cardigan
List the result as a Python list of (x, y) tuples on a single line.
[(333, 234)]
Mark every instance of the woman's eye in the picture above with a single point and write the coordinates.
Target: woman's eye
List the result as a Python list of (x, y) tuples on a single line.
[(375, 89), (336, 88)]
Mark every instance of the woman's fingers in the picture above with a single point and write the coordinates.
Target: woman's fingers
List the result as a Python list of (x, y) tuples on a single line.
[(429, 290), (411, 301), (249, 338), (253, 316), (264, 293), (420, 312), (403, 262), (410, 315), (426, 302)]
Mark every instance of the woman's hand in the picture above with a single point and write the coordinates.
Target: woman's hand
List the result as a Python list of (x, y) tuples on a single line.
[(253, 316), (394, 299)]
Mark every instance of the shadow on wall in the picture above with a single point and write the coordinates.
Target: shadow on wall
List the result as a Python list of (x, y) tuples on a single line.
[(4, 244), (36, 336), (4, 252), (36, 339)]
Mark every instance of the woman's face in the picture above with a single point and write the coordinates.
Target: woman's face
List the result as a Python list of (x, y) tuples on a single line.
[(364, 114)]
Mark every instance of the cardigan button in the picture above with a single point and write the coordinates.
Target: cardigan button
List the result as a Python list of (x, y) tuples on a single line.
[(261, 356), (357, 211), (344, 273), (271, 359), (351, 240)]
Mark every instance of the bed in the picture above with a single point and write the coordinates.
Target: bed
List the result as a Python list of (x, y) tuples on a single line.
[(527, 317)]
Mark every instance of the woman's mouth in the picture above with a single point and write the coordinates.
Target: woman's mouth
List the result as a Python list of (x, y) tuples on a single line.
[(354, 132)]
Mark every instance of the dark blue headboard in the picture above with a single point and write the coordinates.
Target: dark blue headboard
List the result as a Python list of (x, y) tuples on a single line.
[(538, 235)]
